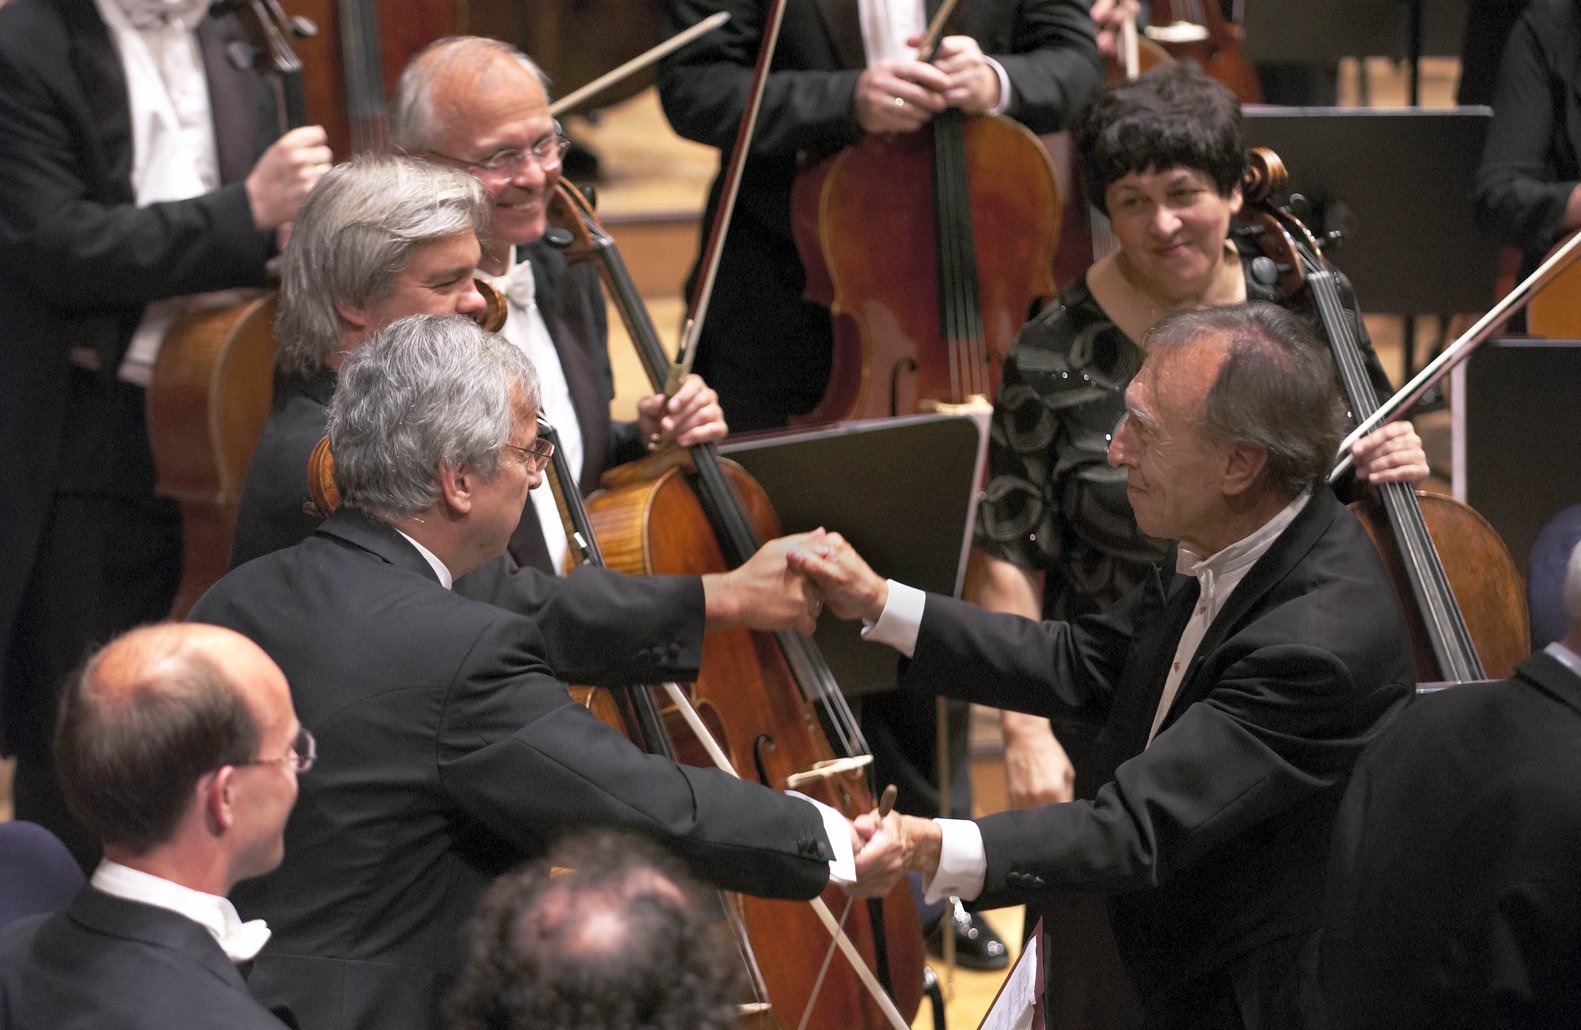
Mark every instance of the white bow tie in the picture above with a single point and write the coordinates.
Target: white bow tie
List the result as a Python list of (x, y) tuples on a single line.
[(519, 286)]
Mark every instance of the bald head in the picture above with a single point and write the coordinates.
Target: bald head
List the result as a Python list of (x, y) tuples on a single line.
[(437, 82), (150, 714)]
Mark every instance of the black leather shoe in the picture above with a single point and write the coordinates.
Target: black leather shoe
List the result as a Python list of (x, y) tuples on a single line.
[(976, 944)]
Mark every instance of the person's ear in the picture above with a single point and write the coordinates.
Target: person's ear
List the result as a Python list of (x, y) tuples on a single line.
[(1243, 465)]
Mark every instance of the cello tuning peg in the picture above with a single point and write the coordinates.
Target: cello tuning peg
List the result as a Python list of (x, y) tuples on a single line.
[(558, 237), (241, 54), (1249, 232), (1266, 270), (303, 27), (1333, 238)]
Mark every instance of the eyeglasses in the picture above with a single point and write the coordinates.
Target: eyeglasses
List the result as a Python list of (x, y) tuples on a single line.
[(536, 457), (547, 154), (304, 752)]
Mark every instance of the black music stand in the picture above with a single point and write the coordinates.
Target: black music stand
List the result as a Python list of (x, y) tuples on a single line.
[(902, 490), (1322, 32), (1397, 184)]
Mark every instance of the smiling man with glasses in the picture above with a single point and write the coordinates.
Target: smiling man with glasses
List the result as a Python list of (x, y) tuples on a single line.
[(179, 748), (480, 106)]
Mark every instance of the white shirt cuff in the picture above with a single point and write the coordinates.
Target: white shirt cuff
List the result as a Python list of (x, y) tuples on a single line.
[(962, 861), (1004, 86), (842, 867), (900, 621)]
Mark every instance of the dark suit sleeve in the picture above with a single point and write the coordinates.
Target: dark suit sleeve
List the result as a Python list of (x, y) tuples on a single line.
[(519, 755), (602, 627), (1053, 63), (1007, 661), (1278, 727), (1518, 200), (81, 250), (704, 87)]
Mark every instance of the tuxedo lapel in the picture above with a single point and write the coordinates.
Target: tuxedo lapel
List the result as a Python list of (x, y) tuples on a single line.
[(1553, 677), (1142, 683), (1291, 546), (232, 100), (581, 373), (841, 19), (103, 96)]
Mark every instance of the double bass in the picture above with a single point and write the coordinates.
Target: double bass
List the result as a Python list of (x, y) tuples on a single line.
[(1458, 586)]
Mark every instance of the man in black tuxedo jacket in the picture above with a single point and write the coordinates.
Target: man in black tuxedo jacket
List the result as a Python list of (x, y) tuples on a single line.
[(180, 749), (1234, 694), (384, 237), (1453, 894), (135, 168), (451, 750)]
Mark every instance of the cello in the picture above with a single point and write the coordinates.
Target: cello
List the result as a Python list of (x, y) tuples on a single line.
[(694, 513), (926, 309), (1458, 586)]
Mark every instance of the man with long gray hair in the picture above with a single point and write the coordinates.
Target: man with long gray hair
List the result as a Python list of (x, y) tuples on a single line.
[(384, 237), (451, 751)]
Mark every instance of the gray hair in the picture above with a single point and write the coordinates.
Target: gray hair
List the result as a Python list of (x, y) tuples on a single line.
[(426, 391), (1277, 389), (354, 235), (412, 127), (1572, 588)]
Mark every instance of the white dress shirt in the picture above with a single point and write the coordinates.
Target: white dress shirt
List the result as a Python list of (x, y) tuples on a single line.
[(174, 155), (241, 941), (963, 863), (887, 24), (526, 328)]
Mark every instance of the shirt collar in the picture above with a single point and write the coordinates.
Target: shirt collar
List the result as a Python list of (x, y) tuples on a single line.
[(1243, 552), (441, 570), (241, 941), (1571, 660)]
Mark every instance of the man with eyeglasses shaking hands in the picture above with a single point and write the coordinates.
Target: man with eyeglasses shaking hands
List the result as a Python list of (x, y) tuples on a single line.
[(179, 748)]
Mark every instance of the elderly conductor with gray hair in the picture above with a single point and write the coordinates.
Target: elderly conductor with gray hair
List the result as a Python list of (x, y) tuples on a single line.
[(1234, 690), (451, 751)]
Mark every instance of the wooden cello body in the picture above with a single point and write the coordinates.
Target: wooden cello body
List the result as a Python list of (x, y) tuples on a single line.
[(693, 513), (931, 250)]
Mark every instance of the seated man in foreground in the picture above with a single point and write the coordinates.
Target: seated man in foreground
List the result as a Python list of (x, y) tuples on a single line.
[(1235, 692), (606, 933), (451, 750), (180, 750), (1453, 894)]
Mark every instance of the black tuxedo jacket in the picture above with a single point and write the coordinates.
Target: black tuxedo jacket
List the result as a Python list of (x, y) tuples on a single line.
[(764, 348), (1454, 899), (1210, 843), (109, 962), (447, 753), (79, 260)]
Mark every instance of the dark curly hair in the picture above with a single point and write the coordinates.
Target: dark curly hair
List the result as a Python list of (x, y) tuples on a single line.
[(1171, 117), (608, 933)]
